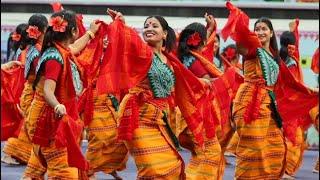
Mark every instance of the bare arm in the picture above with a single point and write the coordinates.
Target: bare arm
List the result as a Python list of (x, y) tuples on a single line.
[(49, 88), (10, 64), (81, 43), (211, 24)]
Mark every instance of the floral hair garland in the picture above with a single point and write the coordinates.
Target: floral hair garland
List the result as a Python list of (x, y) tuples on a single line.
[(194, 39), (58, 24), (230, 53), (16, 37), (33, 32)]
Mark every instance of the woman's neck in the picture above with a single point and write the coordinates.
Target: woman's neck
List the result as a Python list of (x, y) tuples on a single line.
[(157, 49), (266, 46)]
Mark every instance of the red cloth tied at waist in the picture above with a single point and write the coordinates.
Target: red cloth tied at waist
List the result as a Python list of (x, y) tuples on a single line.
[(129, 120), (252, 110)]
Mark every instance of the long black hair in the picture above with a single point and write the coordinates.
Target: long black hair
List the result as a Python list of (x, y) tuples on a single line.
[(183, 47), (273, 39), (24, 40), (52, 36), (286, 38), (39, 21), (170, 41)]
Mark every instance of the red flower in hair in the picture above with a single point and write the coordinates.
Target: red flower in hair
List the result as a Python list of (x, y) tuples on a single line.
[(33, 32), (15, 36), (230, 53), (194, 39), (58, 24), (291, 50)]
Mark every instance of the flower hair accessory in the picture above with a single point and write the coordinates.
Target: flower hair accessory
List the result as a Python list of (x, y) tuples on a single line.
[(291, 50), (15, 36), (194, 39), (230, 53), (58, 24), (33, 32)]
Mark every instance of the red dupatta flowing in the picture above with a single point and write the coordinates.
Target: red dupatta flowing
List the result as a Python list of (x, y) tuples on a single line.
[(12, 84), (90, 58), (127, 61)]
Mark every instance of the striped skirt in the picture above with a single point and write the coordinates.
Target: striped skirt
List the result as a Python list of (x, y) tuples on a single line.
[(207, 163), (20, 148), (104, 152), (151, 147), (260, 153), (294, 154)]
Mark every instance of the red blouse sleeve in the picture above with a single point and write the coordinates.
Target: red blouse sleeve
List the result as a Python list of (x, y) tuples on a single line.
[(197, 69), (52, 70), (35, 63)]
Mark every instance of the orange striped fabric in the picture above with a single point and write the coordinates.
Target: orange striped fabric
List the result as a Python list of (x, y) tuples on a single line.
[(261, 149), (207, 163), (56, 159), (151, 147), (294, 155), (104, 152)]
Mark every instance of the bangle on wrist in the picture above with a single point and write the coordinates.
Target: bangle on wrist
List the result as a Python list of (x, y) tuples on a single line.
[(91, 34)]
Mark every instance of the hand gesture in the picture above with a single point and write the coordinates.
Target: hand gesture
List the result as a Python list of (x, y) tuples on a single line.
[(115, 15), (211, 22), (60, 110), (94, 26)]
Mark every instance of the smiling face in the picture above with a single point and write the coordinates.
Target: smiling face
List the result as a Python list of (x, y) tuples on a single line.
[(263, 32), (153, 32)]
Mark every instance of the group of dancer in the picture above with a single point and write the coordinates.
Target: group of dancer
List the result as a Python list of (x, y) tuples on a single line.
[(148, 98)]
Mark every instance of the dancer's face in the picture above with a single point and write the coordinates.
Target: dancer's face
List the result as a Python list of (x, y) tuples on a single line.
[(153, 32), (263, 32)]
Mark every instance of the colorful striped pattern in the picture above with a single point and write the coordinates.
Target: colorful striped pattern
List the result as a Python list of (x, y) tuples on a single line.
[(294, 154), (56, 164), (233, 143), (260, 153), (207, 163), (27, 95), (104, 152), (151, 147), (19, 148)]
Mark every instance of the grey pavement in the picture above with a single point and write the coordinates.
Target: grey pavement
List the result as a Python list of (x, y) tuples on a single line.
[(305, 172)]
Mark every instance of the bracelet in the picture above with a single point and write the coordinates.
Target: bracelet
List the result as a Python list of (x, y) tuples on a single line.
[(91, 34), (56, 107)]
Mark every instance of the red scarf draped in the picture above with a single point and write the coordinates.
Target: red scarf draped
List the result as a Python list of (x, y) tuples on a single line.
[(127, 61), (90, 60), (293, 96), (12, 84)]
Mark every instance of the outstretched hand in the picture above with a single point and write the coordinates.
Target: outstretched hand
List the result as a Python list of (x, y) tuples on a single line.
[(115, 15), (211, 22)]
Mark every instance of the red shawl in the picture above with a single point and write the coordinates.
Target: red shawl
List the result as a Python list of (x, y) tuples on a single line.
[(12, 84), (315, 62), (127, 61), (90, 59), (293, 96)]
